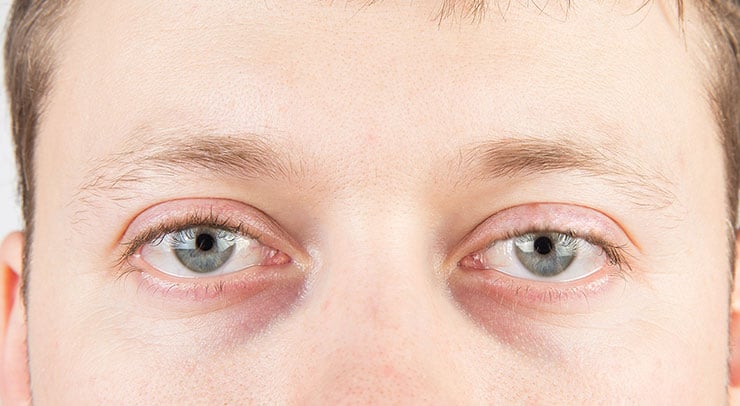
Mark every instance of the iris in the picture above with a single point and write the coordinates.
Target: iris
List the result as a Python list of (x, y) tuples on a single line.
[(546, 254), (203, 250)]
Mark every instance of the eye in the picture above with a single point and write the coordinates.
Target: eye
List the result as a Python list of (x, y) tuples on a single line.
[(544, 256), (207, 251)]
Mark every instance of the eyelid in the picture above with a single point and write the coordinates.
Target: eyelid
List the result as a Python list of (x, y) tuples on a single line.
[(245, 253), (588, 224), (485, 294), (616, 254), (157, 232), (229, 215), (501, 257)]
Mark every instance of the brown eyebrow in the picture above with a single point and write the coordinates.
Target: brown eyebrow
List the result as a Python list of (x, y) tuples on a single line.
[(177, 152), (646, 187), (246, 156)]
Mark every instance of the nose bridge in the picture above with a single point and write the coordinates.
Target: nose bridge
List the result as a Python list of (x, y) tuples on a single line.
[(375, 302), (380, 276)]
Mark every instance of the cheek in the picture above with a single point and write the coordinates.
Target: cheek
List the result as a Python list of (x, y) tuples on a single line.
[(95, 355), (503, 319), (661, 339)]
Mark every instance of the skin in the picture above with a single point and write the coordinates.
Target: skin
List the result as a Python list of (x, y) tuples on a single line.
[(375, 113)]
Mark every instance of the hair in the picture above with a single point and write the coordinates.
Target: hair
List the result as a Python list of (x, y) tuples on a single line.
[(29, 68), (33, 31), (722, 23)]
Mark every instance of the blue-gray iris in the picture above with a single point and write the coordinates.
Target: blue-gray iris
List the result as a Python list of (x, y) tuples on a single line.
[(207, 251), (547, 254)]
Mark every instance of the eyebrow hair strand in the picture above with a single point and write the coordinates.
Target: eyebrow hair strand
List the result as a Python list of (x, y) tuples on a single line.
[(528, 156), (248, 156), (172, 153)]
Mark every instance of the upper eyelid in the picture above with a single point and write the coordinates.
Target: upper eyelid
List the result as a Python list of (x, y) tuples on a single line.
[(589, 224), (159, 231), (617, 254), (232, 215), (591, 239), (574, 220)]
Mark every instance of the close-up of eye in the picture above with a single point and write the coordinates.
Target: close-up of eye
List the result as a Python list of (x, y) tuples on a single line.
[(543, 256), (204, 255), (207, 251)]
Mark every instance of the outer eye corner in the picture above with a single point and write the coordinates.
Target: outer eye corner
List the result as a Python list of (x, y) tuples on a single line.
[(471, 261)]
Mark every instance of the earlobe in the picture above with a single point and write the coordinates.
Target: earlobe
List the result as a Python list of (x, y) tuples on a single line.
[(14, 381)]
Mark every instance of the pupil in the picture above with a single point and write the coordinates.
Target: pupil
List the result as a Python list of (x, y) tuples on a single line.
[(543, 245), (204, 242)]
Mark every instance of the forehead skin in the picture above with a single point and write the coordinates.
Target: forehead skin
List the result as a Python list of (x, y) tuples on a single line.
[(375, 106)]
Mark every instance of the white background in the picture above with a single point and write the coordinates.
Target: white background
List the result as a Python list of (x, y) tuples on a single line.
[(10, 212)]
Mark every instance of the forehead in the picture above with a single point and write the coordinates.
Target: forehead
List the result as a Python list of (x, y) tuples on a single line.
[(228, 65), (349, 86)]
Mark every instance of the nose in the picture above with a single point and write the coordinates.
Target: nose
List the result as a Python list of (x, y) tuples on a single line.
[(377, 318)]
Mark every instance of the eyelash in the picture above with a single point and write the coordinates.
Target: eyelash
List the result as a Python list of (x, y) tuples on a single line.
[(617, 254), (619, 259), (544, 295), (156, 233)]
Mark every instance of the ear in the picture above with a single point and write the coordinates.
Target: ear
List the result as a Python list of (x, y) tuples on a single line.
[(14, 376)]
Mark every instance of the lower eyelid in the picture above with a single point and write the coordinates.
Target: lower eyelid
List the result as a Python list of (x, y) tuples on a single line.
[(582, 295), (203, 293), (500, 257), (274, 259), (241, 307)]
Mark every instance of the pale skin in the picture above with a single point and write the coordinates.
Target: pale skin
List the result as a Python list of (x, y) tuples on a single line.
[(373, 151)]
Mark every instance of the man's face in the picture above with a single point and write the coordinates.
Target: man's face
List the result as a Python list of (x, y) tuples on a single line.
[(277, 202)]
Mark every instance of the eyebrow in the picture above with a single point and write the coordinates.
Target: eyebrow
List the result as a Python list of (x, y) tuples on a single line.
[(645, 186), (149, 155), (171, 154)]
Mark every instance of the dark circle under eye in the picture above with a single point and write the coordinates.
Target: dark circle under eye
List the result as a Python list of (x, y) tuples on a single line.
[(546, 254), (204, 250)]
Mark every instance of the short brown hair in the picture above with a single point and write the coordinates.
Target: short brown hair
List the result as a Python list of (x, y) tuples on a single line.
[(30, 61), (29, 67), (722, 21)]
